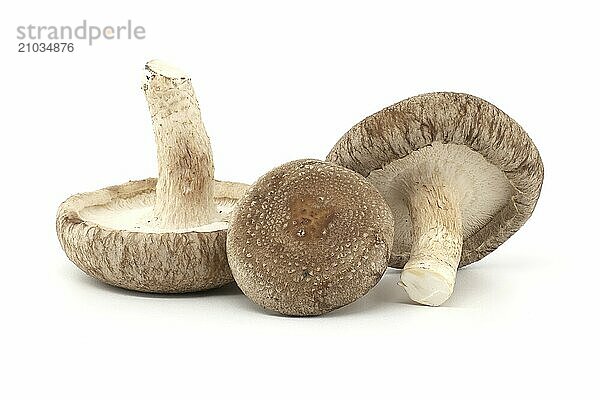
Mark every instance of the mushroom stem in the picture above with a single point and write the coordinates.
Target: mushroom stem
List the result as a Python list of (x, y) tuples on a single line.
[(184, 190), (429, 274)]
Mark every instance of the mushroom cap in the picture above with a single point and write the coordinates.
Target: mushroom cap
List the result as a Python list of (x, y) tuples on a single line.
[(309, 237), (506, 168), (105, 235)]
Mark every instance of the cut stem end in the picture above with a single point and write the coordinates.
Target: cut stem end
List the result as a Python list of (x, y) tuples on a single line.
[(426, 286)]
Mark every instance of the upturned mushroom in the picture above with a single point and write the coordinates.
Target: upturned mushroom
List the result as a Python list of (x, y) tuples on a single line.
[(309, 237), (460, 176), (163, 235)]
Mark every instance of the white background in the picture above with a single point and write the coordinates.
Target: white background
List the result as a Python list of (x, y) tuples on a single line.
[(279, 82)]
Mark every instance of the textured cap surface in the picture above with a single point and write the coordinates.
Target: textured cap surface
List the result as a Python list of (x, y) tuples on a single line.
[(169, 262), (309, 237)]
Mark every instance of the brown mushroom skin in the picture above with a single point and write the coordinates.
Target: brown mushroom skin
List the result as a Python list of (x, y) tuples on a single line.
[(164, 235), (309, 237), (453, 118), (172, 262)]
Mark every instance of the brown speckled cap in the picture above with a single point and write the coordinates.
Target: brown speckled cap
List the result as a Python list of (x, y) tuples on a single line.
[(309, 237)]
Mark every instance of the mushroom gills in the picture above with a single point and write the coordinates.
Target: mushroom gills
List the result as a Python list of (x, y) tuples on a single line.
[(136, 214), (440, 195)]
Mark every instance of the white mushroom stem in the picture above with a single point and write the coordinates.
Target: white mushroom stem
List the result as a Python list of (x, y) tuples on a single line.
[(437, 233), (184, 190)]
